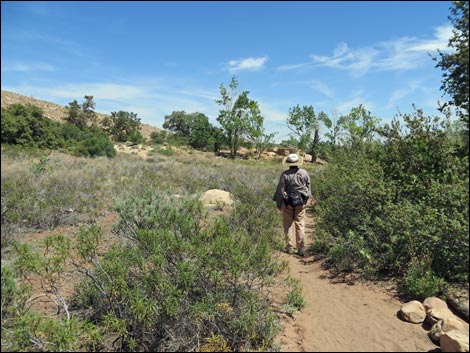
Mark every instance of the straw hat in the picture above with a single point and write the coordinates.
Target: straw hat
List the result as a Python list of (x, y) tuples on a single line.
[(292, 160)]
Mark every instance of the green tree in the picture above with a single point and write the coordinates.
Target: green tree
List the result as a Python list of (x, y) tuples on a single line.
[(193, 129), (88, 109), (334, 130), (255, 131), (75, 115), (81, 115), (239, 117), (178, 122), (122, 125), (359, 126), (200, 134), (257, 134), (456, 66), (305, 124), (290, 142), (217, 138)]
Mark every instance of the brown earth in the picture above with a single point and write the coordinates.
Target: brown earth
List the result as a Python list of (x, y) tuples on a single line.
[(343, 314), (345, 317)]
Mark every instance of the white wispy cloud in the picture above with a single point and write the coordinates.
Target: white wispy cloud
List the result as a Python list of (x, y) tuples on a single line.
[(28, 67), (322, 87), (63, 45), (199, 93), (400, 54), (357, 61), (251, 64), (317, 85), (404, 91), (358, 98), (107, 91), (270, 113), (293, 66), (442, 35)]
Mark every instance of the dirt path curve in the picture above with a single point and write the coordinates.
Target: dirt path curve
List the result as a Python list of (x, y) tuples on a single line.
[(346, 317)]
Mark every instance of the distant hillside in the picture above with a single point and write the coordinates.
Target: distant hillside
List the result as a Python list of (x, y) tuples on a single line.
[(58, 112)]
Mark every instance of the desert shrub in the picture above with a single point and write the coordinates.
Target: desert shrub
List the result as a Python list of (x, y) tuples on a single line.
[(295, 300), (26, 330), (177, 274), (350, 252), (383, 206), (158, 137), (165, 151), (136, 137), (40, 192), (419, 282), (15, 205), (94, 145), (175, 280)]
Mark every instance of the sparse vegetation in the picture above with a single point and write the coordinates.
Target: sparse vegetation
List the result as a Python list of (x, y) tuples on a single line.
[(211, 271), (295, 300), (169, 275)]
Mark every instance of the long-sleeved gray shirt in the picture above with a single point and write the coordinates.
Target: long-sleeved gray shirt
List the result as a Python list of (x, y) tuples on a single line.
[(293, 179)]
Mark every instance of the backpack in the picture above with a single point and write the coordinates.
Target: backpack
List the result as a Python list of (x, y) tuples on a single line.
[(294, 198)]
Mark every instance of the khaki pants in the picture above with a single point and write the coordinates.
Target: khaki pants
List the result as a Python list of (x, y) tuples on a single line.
[(293, 220)]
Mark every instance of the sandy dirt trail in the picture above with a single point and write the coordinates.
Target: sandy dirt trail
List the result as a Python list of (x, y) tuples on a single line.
[(346, 317)]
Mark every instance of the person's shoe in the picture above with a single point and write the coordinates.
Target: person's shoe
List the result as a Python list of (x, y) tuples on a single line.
[(290, 250)]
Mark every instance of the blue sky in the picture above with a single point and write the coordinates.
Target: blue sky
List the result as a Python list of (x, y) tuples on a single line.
[(153, 58)]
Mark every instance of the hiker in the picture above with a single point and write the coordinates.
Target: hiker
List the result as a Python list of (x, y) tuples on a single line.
[(291, 196)]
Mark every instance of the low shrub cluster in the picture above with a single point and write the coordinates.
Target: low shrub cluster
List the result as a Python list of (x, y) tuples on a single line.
[(177, 281), (25, 125)]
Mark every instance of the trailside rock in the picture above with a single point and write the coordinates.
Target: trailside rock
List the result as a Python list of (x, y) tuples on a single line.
[(413, 311), (217, 199), (434, 302), (436, 314), (459, 304), (454, 341), (446, 325)]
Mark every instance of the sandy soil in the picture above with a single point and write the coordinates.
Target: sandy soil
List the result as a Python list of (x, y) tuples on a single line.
[(341, 317), (346, 316)]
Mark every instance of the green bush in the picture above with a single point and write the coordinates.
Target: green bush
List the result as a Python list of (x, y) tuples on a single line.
[(295, 300), (94, 145), (26, 330), (383, 206), (419, 282), (176, 280), (26, 126)]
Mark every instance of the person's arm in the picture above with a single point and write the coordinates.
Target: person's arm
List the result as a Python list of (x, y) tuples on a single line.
[(307, 185), (280, 190)]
